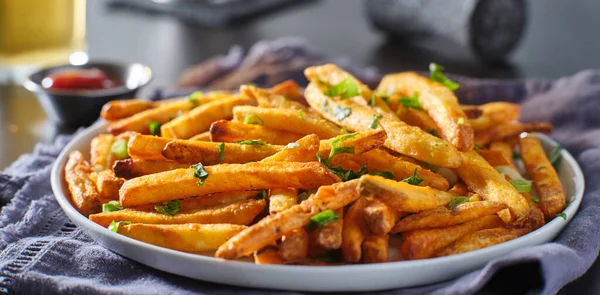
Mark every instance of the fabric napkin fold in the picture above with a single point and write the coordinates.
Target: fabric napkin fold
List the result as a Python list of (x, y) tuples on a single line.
[(44, 253)]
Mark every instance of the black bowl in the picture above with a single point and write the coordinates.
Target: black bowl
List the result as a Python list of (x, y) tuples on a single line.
[(74, 108)]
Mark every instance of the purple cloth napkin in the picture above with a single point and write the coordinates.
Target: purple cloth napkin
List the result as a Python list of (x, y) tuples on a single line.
[(44, 253)]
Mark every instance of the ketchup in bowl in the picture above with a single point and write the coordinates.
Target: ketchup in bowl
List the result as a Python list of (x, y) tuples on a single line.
[(79, 79)]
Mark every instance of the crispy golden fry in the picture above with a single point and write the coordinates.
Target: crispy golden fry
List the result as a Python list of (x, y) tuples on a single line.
[(131, 168), (494, 114), (140, 121), (202, 202), (459, 189), (227, 131), (378, 160), (482, 239), (181, 183), (402, 138), (270, 99), (439, 101), (474, 197), (443, 217), (329, 236), (268, 255), (189, 237), (119, 109), (84, 195), (240, 212), (420, 119), (332, 75), (209, 153), (199, 119), (204, 136), (101, 156), (492, 186), (354, 231), (472, 112), (281, 199), (146, 147), (548, 186), (108, 186), (536, 216), (294, 246), (304, 150), (379, 217), (509, 130), (359, 142), (505, 149), (421, 244), (495, 158), (287, 120), (290, 89), (375, 249), (402, 196), (274, 226)]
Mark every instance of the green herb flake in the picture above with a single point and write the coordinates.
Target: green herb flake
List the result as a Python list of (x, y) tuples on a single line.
[(411, 101), (111, 206), (436, 73), (168, 208), (372, 100), (461, 121), (254, 120), (478, 147), (523, 186), (193, 98), (323, 218), (414, 180), (114, 225), (221, 148), (292, 145), (457, 201), (119, 149), (375, 121), (341, 113), (200, 173), (252, 142), (154, 128), (535, 200), (563, 215), (345, 89), (384, 174), (300, 114), (555, 156), (384, 97)]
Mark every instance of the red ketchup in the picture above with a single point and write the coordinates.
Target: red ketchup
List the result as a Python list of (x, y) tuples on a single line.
[(79, 79)]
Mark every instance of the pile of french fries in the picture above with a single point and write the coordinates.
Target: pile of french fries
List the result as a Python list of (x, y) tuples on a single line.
[(335, 174)]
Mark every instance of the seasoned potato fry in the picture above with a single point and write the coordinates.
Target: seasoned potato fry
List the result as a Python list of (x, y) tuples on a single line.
[(402, 196), (270, 99), (210, 153), (482, 239), (379, 217), (402, 138), (240, 212), (439, 101), (472, 112), (443, 217), (281, 199), (536, 216), (204, 136), (140, 121), (294, 246), (108, 186), (359, 142), (119, 109), (495, 158), (459, 189), (420, 119), (272, 227), (375, 249), (189, 237), (227, 131), (509, 130), (146, 147), (84, 195), (354, 231), (505, 149), (288, 120), (421, 244), (268, 255), (492, 186), (181, 183), (329, 236), (131, 168), (200, 118), (101, 156), (288, 88), (546, 182), (304, 150), (494, 114)]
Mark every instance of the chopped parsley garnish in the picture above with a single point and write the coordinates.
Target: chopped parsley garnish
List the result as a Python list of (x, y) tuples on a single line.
[(154, 128), (411, 101), (263, 195), (254, 120), (375, 121), (372, 100), (555, 156), (562, 214), (478, 147), (436, 73), (384, 97), (200, 173), (336, 149), (461, 121), (414, 180), (522, 185), (384, 174), (119, 149), (193, 98), (300, 114), (535, 200), (111, 206), (114, 225), (292, 145), (341, 113), (221, 148), (432, 132), (345, 89), (322, 218), (457, 201), (251, 142), (168, 208)]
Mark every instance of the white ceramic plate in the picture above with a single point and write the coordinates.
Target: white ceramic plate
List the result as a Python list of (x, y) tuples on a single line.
[(368, 277)]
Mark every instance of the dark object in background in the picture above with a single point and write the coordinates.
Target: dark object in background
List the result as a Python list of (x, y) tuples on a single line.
[(488, 28), (74, 108)]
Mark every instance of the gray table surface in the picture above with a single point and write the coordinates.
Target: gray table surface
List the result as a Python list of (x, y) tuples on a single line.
[(560, 40)]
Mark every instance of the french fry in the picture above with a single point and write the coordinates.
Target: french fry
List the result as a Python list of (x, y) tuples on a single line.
[(329, 236), (84, 194), (439, 101), (282, 199), (288, 120), (119, 109), (379, 217), (200, 118), (375, 249), (546, 182), (359, 142), (140, 122), (270, 99), (402, 196), (210, 153), (354, 231), (492, 186), (459, 189), (495, 158), (510, 130), (443, 217), (272, 227), (181, 183), (506, 150), (421, 244), (101, 156), (304, 150), (227, 131), (131, 168), (108, 186), (536, 216), (472, 112), (482, 239), (190, 237), (240, 212), (268, 255), (146, 147), (290, 89), (204, 136), (402, 138), (494, 114), (420, 119), (294, 246)]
